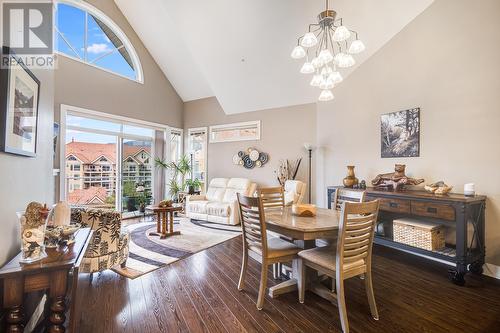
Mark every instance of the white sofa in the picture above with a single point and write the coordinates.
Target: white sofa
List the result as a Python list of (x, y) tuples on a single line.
[(219, 204), (294, 192)]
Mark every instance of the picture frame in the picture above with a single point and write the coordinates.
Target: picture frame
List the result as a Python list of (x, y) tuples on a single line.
[(400, 134), (20, 91)]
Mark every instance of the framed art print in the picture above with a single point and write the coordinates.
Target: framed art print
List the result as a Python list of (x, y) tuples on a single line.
[(400, 134), (20, 91)]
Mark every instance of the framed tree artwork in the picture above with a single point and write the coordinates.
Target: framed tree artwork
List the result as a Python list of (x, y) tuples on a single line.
[(400, 134), (20, 91)]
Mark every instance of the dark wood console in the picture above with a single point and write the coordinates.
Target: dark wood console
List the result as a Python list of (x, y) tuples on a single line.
[(462, 216)]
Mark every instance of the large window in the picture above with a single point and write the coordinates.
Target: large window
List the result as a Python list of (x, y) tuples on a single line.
[(197, 146), (108, 161), (86, 34)]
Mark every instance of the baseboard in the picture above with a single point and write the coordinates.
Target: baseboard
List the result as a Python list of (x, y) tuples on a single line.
[(491, 271)]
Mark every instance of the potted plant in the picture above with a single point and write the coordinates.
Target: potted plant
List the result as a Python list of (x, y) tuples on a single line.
[(129, 195), (142, 199), (179, 170), (193, 185)]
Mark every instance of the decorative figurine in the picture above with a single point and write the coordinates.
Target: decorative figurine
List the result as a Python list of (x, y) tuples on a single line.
[(362, 185), (396, 180), (351, 179), (439, 188), (33, 222), (165, 203)]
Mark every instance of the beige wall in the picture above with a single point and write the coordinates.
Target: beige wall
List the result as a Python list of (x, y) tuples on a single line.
[(81, 85), (446, 62), (26, 179), (283, 134)]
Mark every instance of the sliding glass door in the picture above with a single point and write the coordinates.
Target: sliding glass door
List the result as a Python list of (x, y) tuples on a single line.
[(109, 162)]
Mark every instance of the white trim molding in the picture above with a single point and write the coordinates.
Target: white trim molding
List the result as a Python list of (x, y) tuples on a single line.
[(83, 5)]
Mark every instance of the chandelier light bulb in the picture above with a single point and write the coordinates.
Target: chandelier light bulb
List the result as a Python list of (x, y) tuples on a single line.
[(339, 57), (341, 34), (316, 80), (307, 68), (327, 70), (335, 77), (298, 52), (356, 47), (309, 40), (317, 62), (326, 84), (326, 95), (325, 56)]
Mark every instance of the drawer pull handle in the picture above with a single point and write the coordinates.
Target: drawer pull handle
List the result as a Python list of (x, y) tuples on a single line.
[(432, 210), (393, 204)]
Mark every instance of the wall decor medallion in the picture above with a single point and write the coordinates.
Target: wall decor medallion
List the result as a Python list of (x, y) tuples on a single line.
[(18, 107), (400, 134), (250, 158)]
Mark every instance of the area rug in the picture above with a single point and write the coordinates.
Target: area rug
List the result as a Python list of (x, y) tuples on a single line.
[(148, 253)]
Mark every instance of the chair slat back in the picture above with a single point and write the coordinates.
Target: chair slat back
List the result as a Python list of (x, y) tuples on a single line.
[(253, 224), (356, 232), (347, 195), (272, 197)]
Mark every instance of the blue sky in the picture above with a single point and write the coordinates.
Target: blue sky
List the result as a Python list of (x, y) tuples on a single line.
[(71, 23)]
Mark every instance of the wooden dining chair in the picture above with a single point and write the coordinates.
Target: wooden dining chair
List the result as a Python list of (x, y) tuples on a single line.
[(273, 197), (351, 257), (272, 250), (347, 195)]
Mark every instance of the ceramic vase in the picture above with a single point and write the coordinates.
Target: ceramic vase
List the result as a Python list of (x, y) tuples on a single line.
[(62, 214), (351, 179), (32, 240)]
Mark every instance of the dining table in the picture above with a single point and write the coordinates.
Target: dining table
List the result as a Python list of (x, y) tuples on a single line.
[(304, 231)]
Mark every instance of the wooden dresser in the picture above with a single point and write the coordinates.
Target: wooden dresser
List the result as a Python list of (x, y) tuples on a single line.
[(463, 217), (51, 274)]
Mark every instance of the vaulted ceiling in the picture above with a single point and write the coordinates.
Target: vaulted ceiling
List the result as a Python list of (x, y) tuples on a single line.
[(239, 50)]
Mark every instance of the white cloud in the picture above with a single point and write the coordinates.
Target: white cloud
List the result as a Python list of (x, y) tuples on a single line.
[(98, 48)]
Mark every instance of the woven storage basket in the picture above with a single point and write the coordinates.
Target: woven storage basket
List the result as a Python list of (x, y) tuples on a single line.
[(424, 235)]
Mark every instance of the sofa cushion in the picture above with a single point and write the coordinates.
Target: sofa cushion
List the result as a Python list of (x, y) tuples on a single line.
[(216, 189), (197, 206), (218, 209), (236, 185)]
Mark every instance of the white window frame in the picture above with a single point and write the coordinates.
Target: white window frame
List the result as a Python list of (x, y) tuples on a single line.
[(235, 126), (189, 150), (77, 111), (86, 7)]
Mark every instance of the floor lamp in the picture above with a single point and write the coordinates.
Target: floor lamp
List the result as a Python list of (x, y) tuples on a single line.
[(309, 148)]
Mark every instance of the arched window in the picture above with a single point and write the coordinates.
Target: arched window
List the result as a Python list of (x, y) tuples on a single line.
[(85, 33)]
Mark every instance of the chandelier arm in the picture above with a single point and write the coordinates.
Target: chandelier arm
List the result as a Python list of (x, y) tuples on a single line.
[(312, 25)]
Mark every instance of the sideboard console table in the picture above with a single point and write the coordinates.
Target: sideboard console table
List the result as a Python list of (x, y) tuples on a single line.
[(50, 273), (462, 216)]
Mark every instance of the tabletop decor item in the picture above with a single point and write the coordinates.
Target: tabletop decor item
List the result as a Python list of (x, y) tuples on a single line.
[(250, 158), (287, 170), (61, 214), (350, 180), (400, 134), (469, 190), (439, 188), (165, 203), (61, 235), (395, 180), (33, 222), (19, 110), (304, 210)]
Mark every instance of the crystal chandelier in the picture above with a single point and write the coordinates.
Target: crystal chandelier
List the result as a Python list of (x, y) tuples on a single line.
[(327, 47)]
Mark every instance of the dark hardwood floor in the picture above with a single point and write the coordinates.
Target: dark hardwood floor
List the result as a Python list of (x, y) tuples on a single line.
[(199, 294)]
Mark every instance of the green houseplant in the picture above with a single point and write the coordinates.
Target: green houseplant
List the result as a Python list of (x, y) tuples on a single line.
[(193, 185), (179, 171)]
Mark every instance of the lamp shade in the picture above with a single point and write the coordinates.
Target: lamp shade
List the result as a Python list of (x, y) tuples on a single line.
[(298, 52), (341, 34), (335, 77), (316, 80), (356, 47), (326, 95), (325, 56), (309, 40), (307, 68)]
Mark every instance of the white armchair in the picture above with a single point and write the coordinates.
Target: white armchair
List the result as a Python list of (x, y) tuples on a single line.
[(219, 204), (295, 191)]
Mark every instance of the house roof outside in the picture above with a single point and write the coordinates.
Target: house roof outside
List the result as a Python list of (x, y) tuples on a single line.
[(91, 195), (88, 152)]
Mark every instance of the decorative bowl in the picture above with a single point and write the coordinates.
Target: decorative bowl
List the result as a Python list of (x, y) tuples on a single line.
[(304, 210), (57, 235)]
